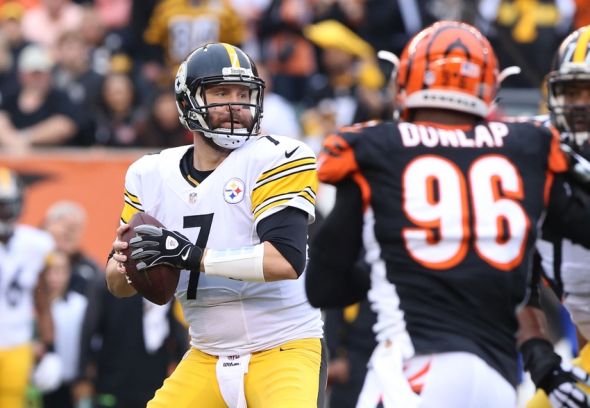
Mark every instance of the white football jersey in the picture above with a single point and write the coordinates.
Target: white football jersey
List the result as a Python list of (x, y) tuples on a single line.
[(21, 261), (256, 180), (574, 274), (573, 267)]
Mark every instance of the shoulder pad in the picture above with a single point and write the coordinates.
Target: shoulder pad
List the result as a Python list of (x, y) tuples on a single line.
[(336, 160)]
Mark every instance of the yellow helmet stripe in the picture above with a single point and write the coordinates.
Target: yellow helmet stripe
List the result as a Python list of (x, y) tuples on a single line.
[(233, 55), (581, 51)]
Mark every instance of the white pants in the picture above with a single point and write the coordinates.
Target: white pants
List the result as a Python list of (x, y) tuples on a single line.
[(446, 380)]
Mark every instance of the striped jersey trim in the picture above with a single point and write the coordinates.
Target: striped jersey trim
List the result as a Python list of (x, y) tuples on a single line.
[(307, 193), (295, 166), (131, 207), (133, 198)]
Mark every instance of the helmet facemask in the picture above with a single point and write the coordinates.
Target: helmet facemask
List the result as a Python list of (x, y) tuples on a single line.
[(194, 109), (572, 119)]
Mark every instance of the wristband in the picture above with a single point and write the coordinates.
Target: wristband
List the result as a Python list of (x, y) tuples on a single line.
[(245, 264)]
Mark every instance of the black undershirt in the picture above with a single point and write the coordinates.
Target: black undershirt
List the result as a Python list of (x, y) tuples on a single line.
[(188, 171), (286, 230)]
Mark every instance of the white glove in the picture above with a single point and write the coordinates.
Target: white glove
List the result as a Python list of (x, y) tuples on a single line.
[(386, 377), (47, 374)]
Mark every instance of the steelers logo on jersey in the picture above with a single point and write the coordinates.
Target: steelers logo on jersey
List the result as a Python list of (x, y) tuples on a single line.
[(233, 191)]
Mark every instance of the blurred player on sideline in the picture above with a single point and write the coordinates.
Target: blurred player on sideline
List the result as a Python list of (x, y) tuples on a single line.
[(23, 299)]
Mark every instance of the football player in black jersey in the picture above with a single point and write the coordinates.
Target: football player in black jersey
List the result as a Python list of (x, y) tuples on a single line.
[(562, 261), (445, 204)]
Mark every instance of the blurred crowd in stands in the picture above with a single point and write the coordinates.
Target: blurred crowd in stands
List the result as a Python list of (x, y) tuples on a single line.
[(100, 73)]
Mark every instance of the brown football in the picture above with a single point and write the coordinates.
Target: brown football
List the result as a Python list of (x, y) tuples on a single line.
[(157, 283)]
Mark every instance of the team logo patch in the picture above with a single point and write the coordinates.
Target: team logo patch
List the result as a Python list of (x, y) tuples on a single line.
[(233, 191), (171, 243), (469, 69), (180, 82)]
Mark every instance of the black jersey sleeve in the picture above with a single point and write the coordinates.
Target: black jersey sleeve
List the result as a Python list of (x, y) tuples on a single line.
[(535, 281), (568, 212), (335, 276), (286, 230)]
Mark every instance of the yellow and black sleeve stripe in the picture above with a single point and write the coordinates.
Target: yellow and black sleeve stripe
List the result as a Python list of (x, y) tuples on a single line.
[(297, 178), (131, 207)]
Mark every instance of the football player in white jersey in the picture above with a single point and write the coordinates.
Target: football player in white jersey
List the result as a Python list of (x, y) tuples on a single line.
[(236, 204), (564, 262), (23, 296)]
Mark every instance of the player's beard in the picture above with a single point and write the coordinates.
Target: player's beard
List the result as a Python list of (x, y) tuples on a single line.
[(239, 118)]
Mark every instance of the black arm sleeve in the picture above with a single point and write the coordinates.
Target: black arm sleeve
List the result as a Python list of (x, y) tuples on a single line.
[(568, 212), (535, 281), (286, 230), (335, 277)]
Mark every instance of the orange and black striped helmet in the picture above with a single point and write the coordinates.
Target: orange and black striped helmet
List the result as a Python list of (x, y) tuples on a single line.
[(448, 65), (571, 67)]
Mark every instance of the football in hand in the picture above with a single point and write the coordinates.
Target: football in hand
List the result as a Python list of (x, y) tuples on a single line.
[(157, 283)]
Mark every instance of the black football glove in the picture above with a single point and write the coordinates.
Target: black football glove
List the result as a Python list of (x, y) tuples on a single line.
[(157, 246), (557, 379)]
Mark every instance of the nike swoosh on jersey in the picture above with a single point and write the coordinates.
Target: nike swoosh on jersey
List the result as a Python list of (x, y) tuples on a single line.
[(289, 154)]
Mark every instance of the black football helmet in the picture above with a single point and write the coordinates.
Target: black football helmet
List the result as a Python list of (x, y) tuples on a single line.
[(11, 201), (571, 66), (214, 64)]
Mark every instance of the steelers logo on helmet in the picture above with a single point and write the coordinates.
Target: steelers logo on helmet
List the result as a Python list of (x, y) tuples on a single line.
[(180, 82), (218, 64), (449, 65), (568, 84)]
